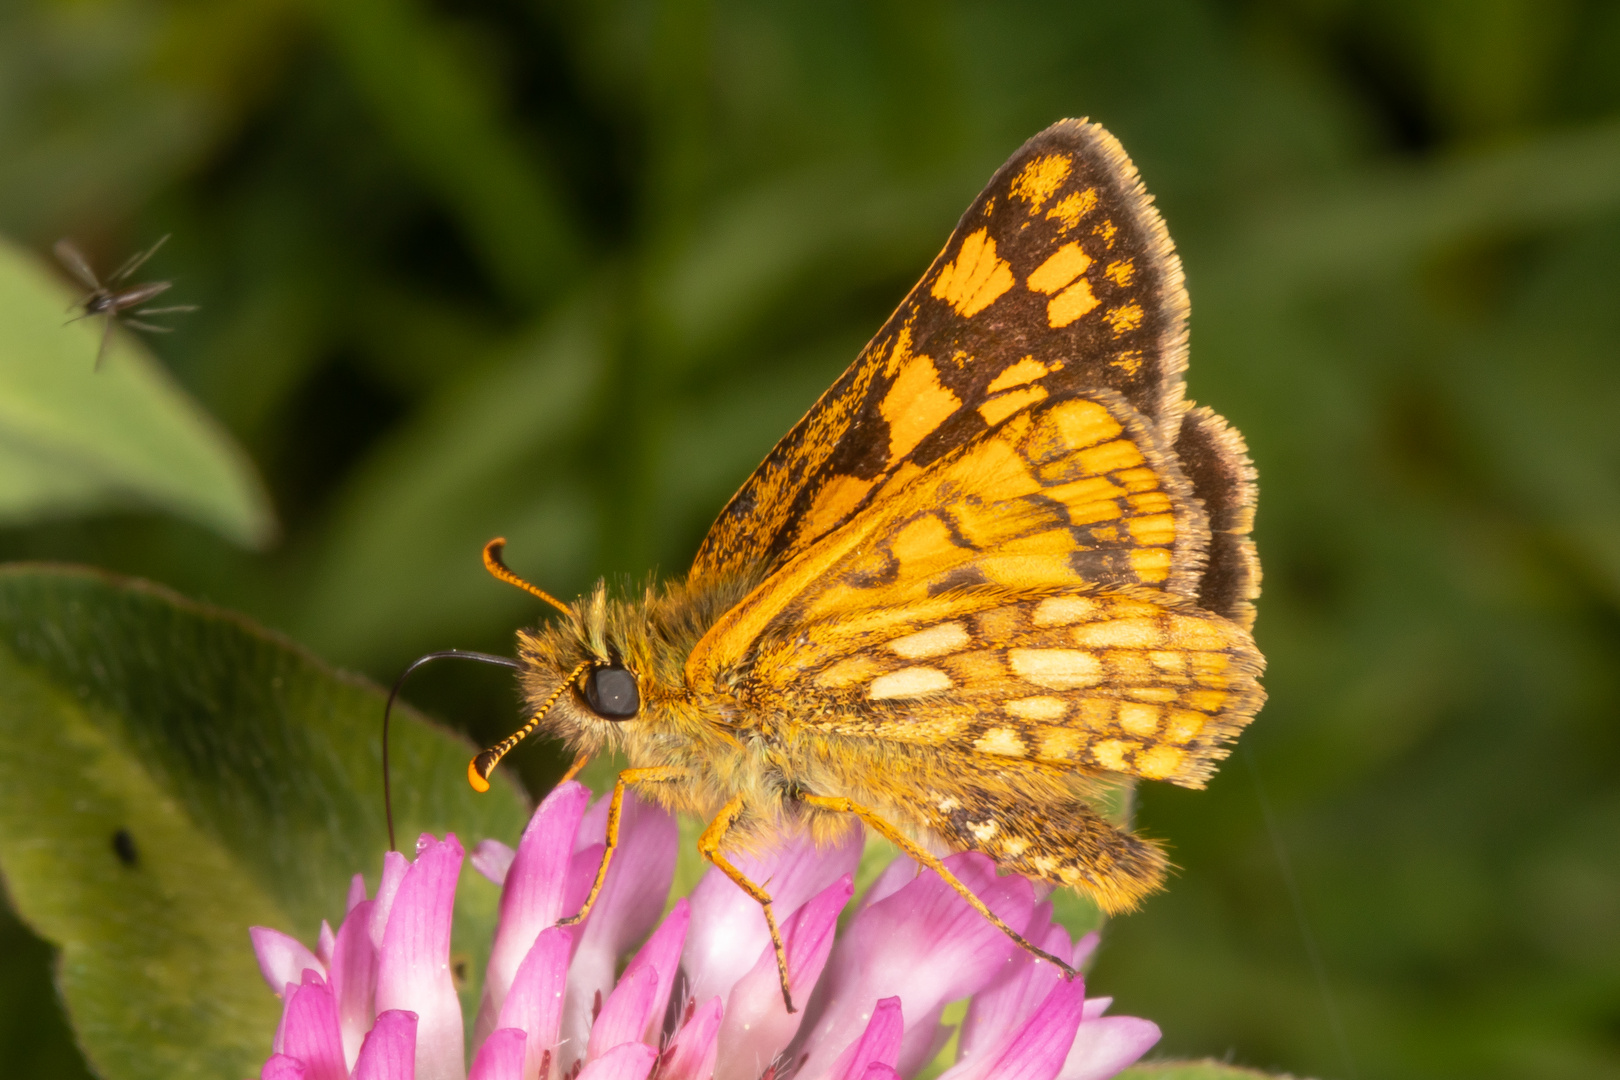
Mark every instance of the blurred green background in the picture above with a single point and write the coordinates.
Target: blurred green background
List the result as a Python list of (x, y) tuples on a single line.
[(564, 272)]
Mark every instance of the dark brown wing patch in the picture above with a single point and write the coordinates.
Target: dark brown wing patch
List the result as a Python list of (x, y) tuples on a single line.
[(1214, 458), (1059, 279)]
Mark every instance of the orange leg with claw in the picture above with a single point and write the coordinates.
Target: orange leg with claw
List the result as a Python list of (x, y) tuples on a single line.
[(709, 847), (615, 807)]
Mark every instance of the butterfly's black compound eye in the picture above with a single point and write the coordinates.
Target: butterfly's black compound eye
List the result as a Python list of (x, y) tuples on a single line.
[(612, 693)]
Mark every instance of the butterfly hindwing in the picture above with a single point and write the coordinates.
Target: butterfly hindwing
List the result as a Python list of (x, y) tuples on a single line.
[(1059, 280), (1143, 685)]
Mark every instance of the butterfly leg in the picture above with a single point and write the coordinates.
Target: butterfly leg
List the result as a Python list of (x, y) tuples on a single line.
[(932, 862), (709, 847), (615, 807)]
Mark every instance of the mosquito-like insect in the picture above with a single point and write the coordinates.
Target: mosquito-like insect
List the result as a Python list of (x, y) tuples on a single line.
[(110, 300)]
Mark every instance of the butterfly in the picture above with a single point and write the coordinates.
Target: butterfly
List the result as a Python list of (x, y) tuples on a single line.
[(999, 568)]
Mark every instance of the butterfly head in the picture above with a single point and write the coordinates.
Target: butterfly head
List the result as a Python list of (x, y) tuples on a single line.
[(593, 679)]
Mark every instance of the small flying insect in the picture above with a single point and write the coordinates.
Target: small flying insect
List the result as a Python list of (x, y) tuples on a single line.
[(113, 301)]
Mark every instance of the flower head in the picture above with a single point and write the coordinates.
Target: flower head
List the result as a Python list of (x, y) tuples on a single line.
[(699, 997)]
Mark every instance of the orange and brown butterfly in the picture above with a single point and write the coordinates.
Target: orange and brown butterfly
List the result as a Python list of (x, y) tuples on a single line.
[(1001, 567)]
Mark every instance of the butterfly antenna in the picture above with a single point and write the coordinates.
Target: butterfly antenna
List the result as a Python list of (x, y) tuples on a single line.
[(493, 563), (446, 654), (479, 768)]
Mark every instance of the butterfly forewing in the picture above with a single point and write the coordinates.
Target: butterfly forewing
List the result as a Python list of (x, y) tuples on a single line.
[(1059, 280)]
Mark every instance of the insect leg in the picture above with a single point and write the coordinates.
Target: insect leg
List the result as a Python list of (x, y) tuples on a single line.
[(629, 776), (136, 260), (709, 847), (106, 340), (928, 859), (574, 770)]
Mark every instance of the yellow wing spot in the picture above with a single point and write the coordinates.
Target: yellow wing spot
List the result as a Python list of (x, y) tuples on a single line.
[(1107, 230), (1110, 456), (1040, 179), (1091, 489), (1064, 266), (856, 669), (1173, 662), (915, 405), (1156, 529), (1159, 762), (1063, 610), (983, 830), (1070, 304), (1125, 318), (1060, 743), (909, 682), (1061, 267), (1150, 502), (1139, 718), (976, 278), (1205, 701), (999, 408), (1002, 741), (1089, 513), (1120, 272), (1072, 207), (837, 497), (1073, 425), (1119, 634), (1056, 669), (1138, 480), (1037, 708), (1110, 753), (1184, 725), (1161, 694), (1201, 635), (922, 540), (1152, 565), (1130, 361), (934, 641), (1207, 665), (1025, 371), (949, 803), (1014, 846), (1050, 542)]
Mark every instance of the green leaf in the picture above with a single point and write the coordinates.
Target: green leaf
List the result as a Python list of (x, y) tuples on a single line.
[(240, 778), (1207, 1069), (74, 439)]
